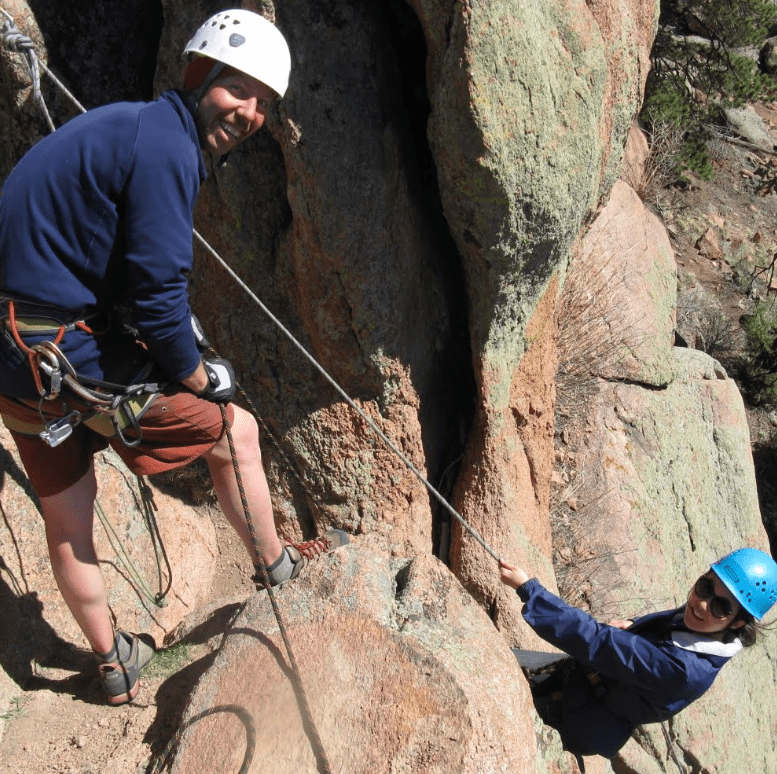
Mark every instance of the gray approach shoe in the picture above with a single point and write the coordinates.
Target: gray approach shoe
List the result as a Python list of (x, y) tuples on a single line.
[(121, 679), (301, 554)]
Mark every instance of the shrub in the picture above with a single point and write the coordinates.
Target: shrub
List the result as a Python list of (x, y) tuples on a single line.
[(693, 79), (758, 372)]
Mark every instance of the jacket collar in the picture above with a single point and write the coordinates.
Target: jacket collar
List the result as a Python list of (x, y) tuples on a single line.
[(703, 643)]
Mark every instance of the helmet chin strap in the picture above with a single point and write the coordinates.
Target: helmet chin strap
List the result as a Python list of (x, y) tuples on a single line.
[(214, 73)]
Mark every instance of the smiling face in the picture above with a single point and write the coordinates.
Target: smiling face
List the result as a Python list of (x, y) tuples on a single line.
[(699, 618), (232, 109)]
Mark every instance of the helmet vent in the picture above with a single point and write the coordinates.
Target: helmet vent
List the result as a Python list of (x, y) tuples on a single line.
[(249, 43)]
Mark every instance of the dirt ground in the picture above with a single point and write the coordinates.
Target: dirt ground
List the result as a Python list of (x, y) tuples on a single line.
[(60, 723), (735, 265)]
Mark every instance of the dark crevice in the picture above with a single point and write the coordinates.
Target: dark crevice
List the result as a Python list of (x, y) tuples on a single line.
[(447, 409), (97, 59)]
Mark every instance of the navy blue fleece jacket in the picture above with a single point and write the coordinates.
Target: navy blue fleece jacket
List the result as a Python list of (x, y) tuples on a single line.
[(651, 671), (97, 214)]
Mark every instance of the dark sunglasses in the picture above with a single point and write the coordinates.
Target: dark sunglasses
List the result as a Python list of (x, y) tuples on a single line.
[(720, 607)]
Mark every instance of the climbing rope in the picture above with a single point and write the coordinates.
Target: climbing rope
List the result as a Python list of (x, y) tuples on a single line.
[(318, 747), (158, 599), (413, 469), (18, 42), (233, 709), (22, 44), (402, 456)]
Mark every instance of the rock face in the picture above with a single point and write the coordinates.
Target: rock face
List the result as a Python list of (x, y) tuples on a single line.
[(401, 669)]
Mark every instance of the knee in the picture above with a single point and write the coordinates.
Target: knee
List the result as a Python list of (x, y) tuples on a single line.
[(245, 436)]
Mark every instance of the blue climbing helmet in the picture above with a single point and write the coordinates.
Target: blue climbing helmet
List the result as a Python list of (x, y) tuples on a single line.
[(751, 576)]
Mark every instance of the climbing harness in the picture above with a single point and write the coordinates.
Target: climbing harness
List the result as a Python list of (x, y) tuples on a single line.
[(107, 408)]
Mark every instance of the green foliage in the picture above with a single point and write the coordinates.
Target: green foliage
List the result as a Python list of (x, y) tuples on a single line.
[(737, 23), (758, 372), (693, 79), (169, 661)]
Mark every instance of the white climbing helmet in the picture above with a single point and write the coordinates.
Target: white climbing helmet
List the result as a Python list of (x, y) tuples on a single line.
[(246, 41)]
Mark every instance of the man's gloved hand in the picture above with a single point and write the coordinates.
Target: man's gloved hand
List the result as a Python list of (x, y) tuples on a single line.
[(199, 334), (221, 380)]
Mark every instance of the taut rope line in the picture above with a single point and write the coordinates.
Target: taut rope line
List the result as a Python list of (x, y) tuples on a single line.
[(350, 402)]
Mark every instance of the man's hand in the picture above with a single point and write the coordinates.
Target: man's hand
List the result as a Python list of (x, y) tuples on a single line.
[(213, 379), (221, 380)]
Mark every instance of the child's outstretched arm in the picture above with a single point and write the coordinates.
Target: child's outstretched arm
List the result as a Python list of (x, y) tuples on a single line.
[(512, 575)]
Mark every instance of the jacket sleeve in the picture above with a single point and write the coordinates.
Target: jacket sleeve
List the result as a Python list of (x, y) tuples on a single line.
[(158, 200), (616, 653)]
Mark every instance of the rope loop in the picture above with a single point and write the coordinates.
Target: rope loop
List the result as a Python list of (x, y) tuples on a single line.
[(18, 42), (14, 40)]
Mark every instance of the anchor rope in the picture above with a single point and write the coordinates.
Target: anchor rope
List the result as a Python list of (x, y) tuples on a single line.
[(15, 40)]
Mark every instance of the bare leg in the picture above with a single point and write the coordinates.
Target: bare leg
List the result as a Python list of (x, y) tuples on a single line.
[(69, 518), (246, 438)]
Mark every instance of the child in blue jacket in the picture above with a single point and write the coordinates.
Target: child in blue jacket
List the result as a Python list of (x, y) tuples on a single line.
[(627, 673)]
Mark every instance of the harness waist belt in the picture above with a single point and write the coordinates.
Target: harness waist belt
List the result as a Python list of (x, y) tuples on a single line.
[(105, 425)]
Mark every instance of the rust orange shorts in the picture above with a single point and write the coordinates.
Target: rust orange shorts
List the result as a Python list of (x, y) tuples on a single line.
[(178, 428)]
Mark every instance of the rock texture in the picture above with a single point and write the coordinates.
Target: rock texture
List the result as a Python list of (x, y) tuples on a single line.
[(620, 295), (518, 174), (402, 671)]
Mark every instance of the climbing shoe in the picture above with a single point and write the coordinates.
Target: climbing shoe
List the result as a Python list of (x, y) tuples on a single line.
[(120, 668), (297, 555)]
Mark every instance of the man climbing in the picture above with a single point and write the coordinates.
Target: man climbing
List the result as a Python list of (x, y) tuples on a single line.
[(98, 344)]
